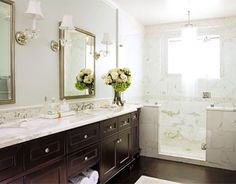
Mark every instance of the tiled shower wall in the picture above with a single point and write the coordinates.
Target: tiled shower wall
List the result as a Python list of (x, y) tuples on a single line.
[(183, 117)]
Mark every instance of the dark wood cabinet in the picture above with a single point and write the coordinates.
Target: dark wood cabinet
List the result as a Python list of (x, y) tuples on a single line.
[(108, 146), (53, 174), (11, 162)]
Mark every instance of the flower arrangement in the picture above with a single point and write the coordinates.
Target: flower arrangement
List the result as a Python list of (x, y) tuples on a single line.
[(85, 80), (120, 80)]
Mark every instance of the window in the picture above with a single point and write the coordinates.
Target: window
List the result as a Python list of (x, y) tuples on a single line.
[(195, 59)]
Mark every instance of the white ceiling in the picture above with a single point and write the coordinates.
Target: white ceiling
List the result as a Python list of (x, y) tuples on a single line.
[(150, 12)]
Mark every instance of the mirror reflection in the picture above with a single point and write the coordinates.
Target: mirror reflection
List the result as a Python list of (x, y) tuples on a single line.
[(6, 52), (77, 64)]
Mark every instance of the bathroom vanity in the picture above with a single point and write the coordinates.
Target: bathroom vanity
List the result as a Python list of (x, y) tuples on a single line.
[(67, 146)]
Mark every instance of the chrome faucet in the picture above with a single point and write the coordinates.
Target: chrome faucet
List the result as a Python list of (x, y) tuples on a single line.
[(87, 106)]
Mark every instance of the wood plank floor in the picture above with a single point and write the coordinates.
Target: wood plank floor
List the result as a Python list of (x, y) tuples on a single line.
[(174, 171)]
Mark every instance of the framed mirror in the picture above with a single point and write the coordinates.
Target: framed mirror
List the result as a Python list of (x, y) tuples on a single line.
[(7, 51), (77, 64)]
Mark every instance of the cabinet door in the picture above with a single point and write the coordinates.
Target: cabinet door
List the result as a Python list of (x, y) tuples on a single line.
[(11, 162), (124, 147), (108, 164), (53, 174)]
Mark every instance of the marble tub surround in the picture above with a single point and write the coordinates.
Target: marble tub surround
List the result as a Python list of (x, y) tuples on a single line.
[(14, 114), (24, 130)]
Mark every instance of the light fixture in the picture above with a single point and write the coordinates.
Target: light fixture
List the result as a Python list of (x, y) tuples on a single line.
[(66, 25), (33, 12), (105, 41), (189, 31)]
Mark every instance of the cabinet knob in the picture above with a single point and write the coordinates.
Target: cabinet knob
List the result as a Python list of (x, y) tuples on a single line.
[(47, 150), (134, 117), (85, 136), (85, 158), (111, 127), (125, 123), (119, 141)]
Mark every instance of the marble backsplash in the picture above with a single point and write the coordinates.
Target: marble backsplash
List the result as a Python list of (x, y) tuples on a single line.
[(9, 115)]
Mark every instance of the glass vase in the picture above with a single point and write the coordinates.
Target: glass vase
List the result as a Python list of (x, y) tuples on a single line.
[(117, 98)]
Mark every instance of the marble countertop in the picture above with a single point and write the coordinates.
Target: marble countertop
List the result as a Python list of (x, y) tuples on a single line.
[(28, 129)]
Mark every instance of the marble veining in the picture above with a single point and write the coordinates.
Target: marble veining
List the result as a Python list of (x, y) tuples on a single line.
[(23, 130)]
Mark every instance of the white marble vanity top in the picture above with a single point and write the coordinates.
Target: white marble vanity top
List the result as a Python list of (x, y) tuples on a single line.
[(29, 129)]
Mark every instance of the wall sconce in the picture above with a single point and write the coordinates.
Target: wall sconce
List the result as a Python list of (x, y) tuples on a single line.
[(105, 41), (33, 12), (67, 24)]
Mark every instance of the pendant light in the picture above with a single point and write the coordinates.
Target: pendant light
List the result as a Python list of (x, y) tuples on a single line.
[(189, 31)]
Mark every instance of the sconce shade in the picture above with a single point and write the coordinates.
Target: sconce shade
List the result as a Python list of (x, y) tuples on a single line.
[(67, 23), (34, 10), (106, 39)]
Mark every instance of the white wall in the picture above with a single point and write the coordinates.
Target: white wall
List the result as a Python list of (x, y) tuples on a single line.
[(131, 37), (37, 67)]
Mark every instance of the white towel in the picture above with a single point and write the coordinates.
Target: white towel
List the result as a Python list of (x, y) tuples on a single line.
[(80, 180), (92, 175)]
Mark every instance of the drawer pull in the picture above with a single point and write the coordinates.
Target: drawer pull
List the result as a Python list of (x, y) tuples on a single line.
[(110, 127), (119, 141), (125, 123), (47, 150), (85, 158), (134, 117), (85, 136)]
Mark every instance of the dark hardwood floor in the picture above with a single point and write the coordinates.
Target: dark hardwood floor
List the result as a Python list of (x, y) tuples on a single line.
[(174, 171)]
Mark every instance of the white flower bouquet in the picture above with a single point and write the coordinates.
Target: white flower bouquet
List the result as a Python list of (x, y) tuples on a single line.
[(85, 80), (120, 80)]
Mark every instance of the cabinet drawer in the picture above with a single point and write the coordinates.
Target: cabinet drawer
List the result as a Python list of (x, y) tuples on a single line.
[(44, 149), (124, 122), (11, 162), (82, 160), (109, 127), (82, 137)]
